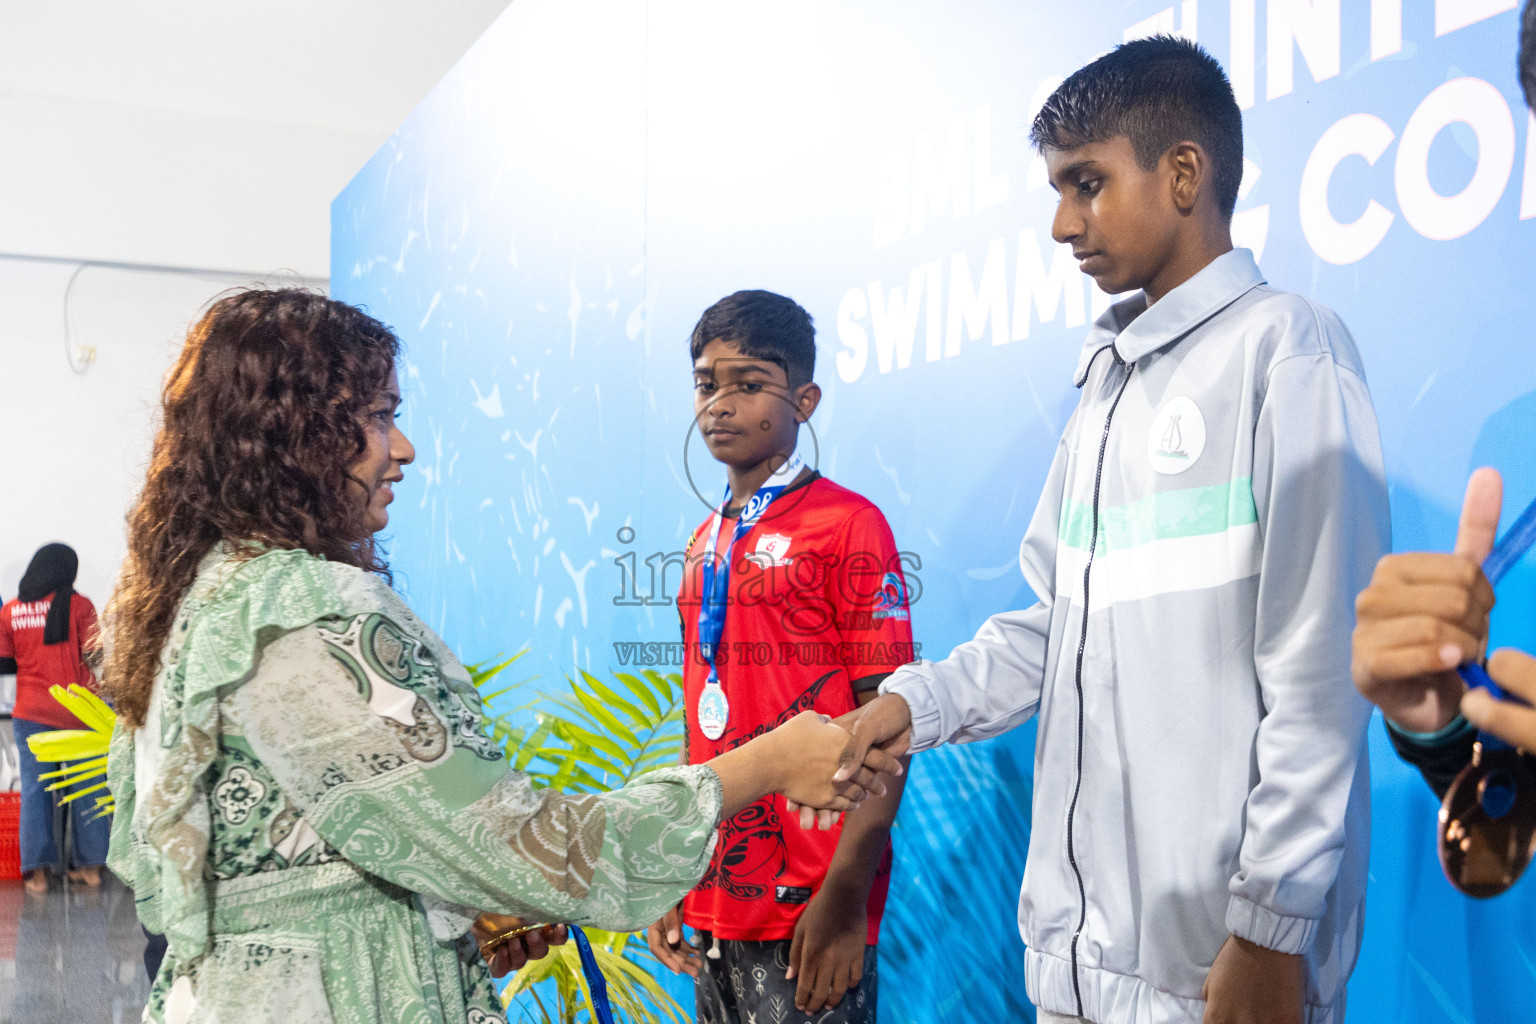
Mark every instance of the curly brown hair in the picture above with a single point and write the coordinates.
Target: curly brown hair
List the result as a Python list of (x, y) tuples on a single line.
[(263, 416)]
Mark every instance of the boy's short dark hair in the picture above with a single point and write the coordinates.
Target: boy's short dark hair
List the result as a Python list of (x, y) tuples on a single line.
[(1156, 92), (764, 325), (1528, 52)]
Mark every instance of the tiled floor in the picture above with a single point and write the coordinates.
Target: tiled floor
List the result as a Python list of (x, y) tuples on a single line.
[(71, 956)]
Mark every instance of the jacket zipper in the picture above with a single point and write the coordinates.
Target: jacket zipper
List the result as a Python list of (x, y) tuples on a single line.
[(1082, 645)]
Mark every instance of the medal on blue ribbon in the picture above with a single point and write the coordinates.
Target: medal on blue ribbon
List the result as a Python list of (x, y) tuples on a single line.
[(1488, 818), (714, 708)]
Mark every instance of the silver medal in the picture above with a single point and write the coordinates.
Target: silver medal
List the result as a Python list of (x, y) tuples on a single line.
[(714, 710)]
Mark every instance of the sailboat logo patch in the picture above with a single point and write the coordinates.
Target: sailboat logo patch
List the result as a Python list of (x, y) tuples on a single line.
[(1177, 437)]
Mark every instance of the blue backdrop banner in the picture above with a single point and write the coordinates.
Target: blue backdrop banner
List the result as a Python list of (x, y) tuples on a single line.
[(547, 226)]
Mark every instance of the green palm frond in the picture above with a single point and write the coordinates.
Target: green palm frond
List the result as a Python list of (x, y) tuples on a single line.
[(84, 749), (484, 673), (601, 736), (634, 994), (597, 737)]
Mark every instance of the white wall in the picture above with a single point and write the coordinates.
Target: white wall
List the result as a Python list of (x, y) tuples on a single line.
[(73, 447), (197, 134), (178, 133), (136, 185)]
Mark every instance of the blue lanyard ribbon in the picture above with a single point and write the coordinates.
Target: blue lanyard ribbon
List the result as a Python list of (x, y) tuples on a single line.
[(1517, 540), (717, 572), (597, 985)]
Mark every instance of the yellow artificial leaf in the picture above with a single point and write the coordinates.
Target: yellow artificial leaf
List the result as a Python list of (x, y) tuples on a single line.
[(86, 749)]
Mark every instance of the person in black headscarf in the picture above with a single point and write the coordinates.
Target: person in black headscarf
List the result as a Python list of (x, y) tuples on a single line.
[(48, 637)]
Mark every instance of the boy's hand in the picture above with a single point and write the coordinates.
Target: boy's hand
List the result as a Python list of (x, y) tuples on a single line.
[(1426, 613), (878, 735), (814, 770), (827, 952), (1516, 673), (1249, 984), (665, 938), (885, 723)]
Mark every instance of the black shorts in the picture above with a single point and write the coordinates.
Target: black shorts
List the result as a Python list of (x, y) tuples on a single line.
[(746, 985)]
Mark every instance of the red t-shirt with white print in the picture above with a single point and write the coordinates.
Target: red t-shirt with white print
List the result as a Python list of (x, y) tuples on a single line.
[(39, 665), (817, 600)]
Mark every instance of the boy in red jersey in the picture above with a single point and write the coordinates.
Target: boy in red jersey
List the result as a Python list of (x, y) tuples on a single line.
[(793, 599)]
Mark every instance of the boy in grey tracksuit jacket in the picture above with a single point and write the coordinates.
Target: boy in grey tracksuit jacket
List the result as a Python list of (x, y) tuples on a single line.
[(1226, 445), (1214, 505)]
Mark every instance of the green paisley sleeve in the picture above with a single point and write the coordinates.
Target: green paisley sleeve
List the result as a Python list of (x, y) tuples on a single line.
[(382, 748)]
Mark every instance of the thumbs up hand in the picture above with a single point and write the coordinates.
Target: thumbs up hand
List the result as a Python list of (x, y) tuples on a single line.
[(1426, 613)]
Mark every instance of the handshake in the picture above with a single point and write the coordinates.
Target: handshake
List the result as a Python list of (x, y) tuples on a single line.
[(822, 767)]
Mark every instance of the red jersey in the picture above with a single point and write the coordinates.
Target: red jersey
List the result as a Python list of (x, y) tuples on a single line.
[(817, 601), (40, 665)]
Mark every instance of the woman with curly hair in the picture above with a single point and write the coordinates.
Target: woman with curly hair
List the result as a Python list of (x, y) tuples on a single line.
[(308, 807)]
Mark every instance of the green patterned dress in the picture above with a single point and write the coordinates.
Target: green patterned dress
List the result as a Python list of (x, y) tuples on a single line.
[(313, 815)]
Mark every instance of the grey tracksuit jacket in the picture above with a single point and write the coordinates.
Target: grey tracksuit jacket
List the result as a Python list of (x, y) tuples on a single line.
[(1214, 506)]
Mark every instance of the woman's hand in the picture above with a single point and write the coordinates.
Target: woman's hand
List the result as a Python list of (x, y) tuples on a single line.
[(798, 759), (813, 751), (511, 954), (884, 723)]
